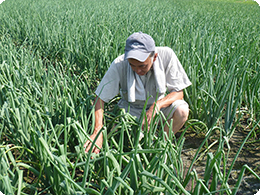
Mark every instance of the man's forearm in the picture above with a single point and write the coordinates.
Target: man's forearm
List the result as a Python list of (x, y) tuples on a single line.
[(169, 99), (99, 111)]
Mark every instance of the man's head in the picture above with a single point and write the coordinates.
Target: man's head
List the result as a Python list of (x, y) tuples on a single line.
[(139, 46), (140, 52)]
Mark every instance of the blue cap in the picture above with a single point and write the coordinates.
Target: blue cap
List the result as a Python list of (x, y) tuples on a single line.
[(139, 46)]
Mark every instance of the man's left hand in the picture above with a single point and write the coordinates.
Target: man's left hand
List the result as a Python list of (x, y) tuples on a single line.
[(151, 112)]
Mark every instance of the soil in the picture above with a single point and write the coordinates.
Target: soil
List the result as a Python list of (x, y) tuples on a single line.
[(249, 155)]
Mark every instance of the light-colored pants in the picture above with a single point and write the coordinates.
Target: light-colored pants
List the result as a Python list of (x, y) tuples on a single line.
[(137, 111)]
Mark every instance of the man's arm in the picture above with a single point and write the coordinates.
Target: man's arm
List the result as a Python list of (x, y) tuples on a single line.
[(169, 99), (99, 110), (163, 103)]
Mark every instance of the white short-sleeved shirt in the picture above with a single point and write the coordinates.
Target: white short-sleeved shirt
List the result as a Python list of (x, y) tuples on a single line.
[(115, 79)]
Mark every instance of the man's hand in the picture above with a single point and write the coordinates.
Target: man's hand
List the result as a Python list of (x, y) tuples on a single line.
[(162, 103), (151, 112), (99, 109), (99, 143)]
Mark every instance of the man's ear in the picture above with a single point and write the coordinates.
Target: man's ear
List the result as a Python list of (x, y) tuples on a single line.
[(155, 57)]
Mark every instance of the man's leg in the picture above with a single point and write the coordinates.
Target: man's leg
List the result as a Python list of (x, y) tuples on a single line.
[(179, 117)]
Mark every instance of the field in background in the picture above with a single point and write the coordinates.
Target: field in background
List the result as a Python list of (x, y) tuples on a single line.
[(53, 55)]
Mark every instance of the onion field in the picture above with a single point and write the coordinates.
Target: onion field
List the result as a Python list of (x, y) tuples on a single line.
[(53, 54)]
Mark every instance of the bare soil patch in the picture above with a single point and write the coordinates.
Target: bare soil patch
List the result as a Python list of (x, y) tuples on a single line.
[(249, 155)]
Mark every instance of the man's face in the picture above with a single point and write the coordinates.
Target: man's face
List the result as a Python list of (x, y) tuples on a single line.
[(141, 68)]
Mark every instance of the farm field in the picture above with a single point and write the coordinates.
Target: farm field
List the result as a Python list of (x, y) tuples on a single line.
[(53, 55)]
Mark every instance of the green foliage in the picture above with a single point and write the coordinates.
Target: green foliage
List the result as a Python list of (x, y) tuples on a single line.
[(53, 55)]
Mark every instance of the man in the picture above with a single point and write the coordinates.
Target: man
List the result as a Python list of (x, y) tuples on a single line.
[(143, 73)]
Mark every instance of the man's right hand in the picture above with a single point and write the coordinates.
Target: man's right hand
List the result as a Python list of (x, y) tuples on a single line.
[(99, 109), (99, 143)]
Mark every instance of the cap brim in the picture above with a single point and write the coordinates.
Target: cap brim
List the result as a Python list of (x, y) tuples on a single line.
[(137, 55)]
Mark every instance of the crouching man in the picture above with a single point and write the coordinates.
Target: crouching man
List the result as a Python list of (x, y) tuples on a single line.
[(143, 72)]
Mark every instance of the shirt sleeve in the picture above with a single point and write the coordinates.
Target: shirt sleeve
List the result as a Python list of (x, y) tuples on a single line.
[(176, 77), (109, 85)]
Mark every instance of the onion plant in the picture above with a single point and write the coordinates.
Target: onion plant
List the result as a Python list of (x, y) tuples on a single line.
[(52, 57)]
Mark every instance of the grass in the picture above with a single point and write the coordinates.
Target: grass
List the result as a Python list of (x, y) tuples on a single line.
[(237, 1), (53, 55)]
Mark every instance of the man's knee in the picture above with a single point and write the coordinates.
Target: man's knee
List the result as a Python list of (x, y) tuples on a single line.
[(181, 113)]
